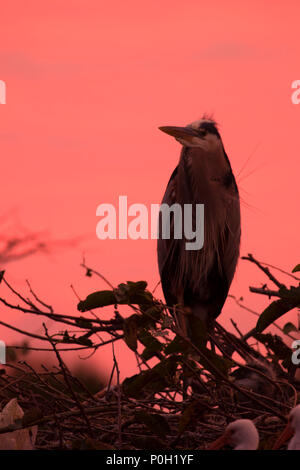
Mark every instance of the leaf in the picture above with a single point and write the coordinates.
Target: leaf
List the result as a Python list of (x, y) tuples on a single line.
[(130, 332), (178, 345), (293, 294), (83, 323), (289, 327), (83, 340), (130, 293), (137, 286), (276, 344), (276, 309), (166, 368), (156, 423), (222, 364), (97, 299), (66, 337), (153, 313), (152, 380), (142, 299), (194, 409), (152, 344), (133, 386), (296, 269), (134, 293)]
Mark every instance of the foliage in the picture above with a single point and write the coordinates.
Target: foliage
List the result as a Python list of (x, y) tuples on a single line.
[(181, 386)]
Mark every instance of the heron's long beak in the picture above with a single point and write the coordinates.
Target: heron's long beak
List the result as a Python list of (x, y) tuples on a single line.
[(285, 436), (219, 443), (180, 132)]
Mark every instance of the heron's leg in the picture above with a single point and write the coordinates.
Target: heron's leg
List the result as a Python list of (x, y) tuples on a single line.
[(183, 326), (212, 344), (182, 317)]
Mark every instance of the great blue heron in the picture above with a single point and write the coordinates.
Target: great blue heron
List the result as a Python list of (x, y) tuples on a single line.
[(199, 280)]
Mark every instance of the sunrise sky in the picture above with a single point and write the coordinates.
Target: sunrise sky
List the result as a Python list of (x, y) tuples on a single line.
[(88, 84)]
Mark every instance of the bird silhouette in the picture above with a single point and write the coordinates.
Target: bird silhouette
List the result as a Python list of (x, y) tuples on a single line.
[(199, 280)]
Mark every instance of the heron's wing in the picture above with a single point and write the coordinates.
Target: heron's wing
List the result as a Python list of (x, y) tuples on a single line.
[(233, 234), (166, 247), (213, 290), (208, 300)]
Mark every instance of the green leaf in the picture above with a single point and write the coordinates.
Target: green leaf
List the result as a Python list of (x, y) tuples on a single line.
[(289, 327), (156, 423), (96, 300), (296, 269)]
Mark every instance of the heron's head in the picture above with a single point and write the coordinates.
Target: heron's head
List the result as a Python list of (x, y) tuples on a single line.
[(202, 133)]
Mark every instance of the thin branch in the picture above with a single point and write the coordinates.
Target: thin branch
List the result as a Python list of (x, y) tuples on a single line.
[(265, 270)]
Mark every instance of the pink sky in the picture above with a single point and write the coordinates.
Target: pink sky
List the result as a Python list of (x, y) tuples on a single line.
[(88, 84)]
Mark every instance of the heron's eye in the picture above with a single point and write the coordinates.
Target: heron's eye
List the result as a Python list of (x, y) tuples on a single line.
[(202, 132)]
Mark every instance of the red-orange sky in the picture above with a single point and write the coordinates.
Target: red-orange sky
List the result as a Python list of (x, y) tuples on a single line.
[(88, 84)]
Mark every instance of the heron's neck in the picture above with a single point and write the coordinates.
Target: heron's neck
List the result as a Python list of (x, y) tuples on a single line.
[(205, 173)]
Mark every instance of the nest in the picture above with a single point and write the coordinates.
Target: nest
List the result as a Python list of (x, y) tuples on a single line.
[(183, 394)]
